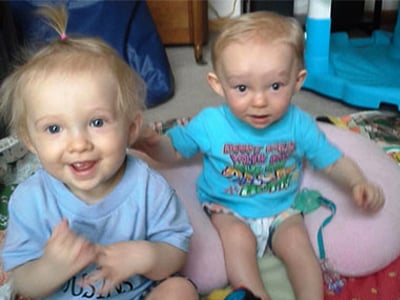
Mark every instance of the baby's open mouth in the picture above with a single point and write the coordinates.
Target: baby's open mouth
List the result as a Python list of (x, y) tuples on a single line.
[(83, 166)]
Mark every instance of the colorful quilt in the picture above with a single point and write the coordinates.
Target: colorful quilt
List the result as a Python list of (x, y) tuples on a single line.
[(381, 127)]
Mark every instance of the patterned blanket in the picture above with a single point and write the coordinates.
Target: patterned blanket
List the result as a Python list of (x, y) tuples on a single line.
[(381, 127)]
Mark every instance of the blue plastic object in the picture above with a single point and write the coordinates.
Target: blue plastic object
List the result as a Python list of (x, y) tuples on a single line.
[(363, 72), (125, 25), (241, 294)]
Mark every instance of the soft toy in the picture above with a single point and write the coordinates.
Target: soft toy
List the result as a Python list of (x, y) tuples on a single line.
[(356, 243)]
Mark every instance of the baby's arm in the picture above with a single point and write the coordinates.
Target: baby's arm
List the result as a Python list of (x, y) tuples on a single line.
[(157, 146), (365, 194), (154, 260), (65, 254)]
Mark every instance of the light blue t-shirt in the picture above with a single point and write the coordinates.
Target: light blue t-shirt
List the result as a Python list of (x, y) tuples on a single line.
[(254, 172), (141, 207)]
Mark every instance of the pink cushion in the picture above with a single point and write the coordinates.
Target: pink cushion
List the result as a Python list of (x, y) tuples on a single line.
[(205, 266), (358, 243)]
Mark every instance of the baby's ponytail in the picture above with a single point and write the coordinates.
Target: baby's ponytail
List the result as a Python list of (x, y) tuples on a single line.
[(56, 17)]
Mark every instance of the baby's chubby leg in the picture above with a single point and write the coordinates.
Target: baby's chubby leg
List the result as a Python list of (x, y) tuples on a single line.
[(240, 253), (292, 245), (174, 288)]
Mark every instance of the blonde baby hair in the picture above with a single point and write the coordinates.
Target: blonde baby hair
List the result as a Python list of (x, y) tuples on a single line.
[(265, 25), (68, 56)]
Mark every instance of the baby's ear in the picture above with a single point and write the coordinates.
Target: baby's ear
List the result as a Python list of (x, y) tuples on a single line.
[(215, 84), (27, 142), (301, 76), (135, 127)]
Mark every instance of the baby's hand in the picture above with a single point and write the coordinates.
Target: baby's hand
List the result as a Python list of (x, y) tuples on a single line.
[(147, 138), (115, 264), (368, 196), (67, 251)]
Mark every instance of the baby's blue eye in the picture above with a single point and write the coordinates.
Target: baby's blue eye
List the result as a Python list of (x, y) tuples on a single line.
[(97, 123), (54, 129), (275, 86), (241, 88)]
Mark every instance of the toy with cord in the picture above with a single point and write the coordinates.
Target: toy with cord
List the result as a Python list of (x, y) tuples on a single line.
[(363, 72)]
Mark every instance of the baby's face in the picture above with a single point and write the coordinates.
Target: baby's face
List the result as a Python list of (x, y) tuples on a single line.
[(258, 80), (77, 133)]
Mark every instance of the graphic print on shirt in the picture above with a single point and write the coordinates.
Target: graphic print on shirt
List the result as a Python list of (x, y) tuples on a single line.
[(259, 169), (73, 288)]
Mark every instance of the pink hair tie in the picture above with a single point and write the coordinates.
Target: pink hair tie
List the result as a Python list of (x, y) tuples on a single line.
[(63, 36)]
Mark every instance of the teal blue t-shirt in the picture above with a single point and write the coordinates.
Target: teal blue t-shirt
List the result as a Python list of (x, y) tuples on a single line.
[(254, 172)]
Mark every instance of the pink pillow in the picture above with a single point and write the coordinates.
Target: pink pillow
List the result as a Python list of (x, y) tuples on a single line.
[(356, 243), (205, 265)]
